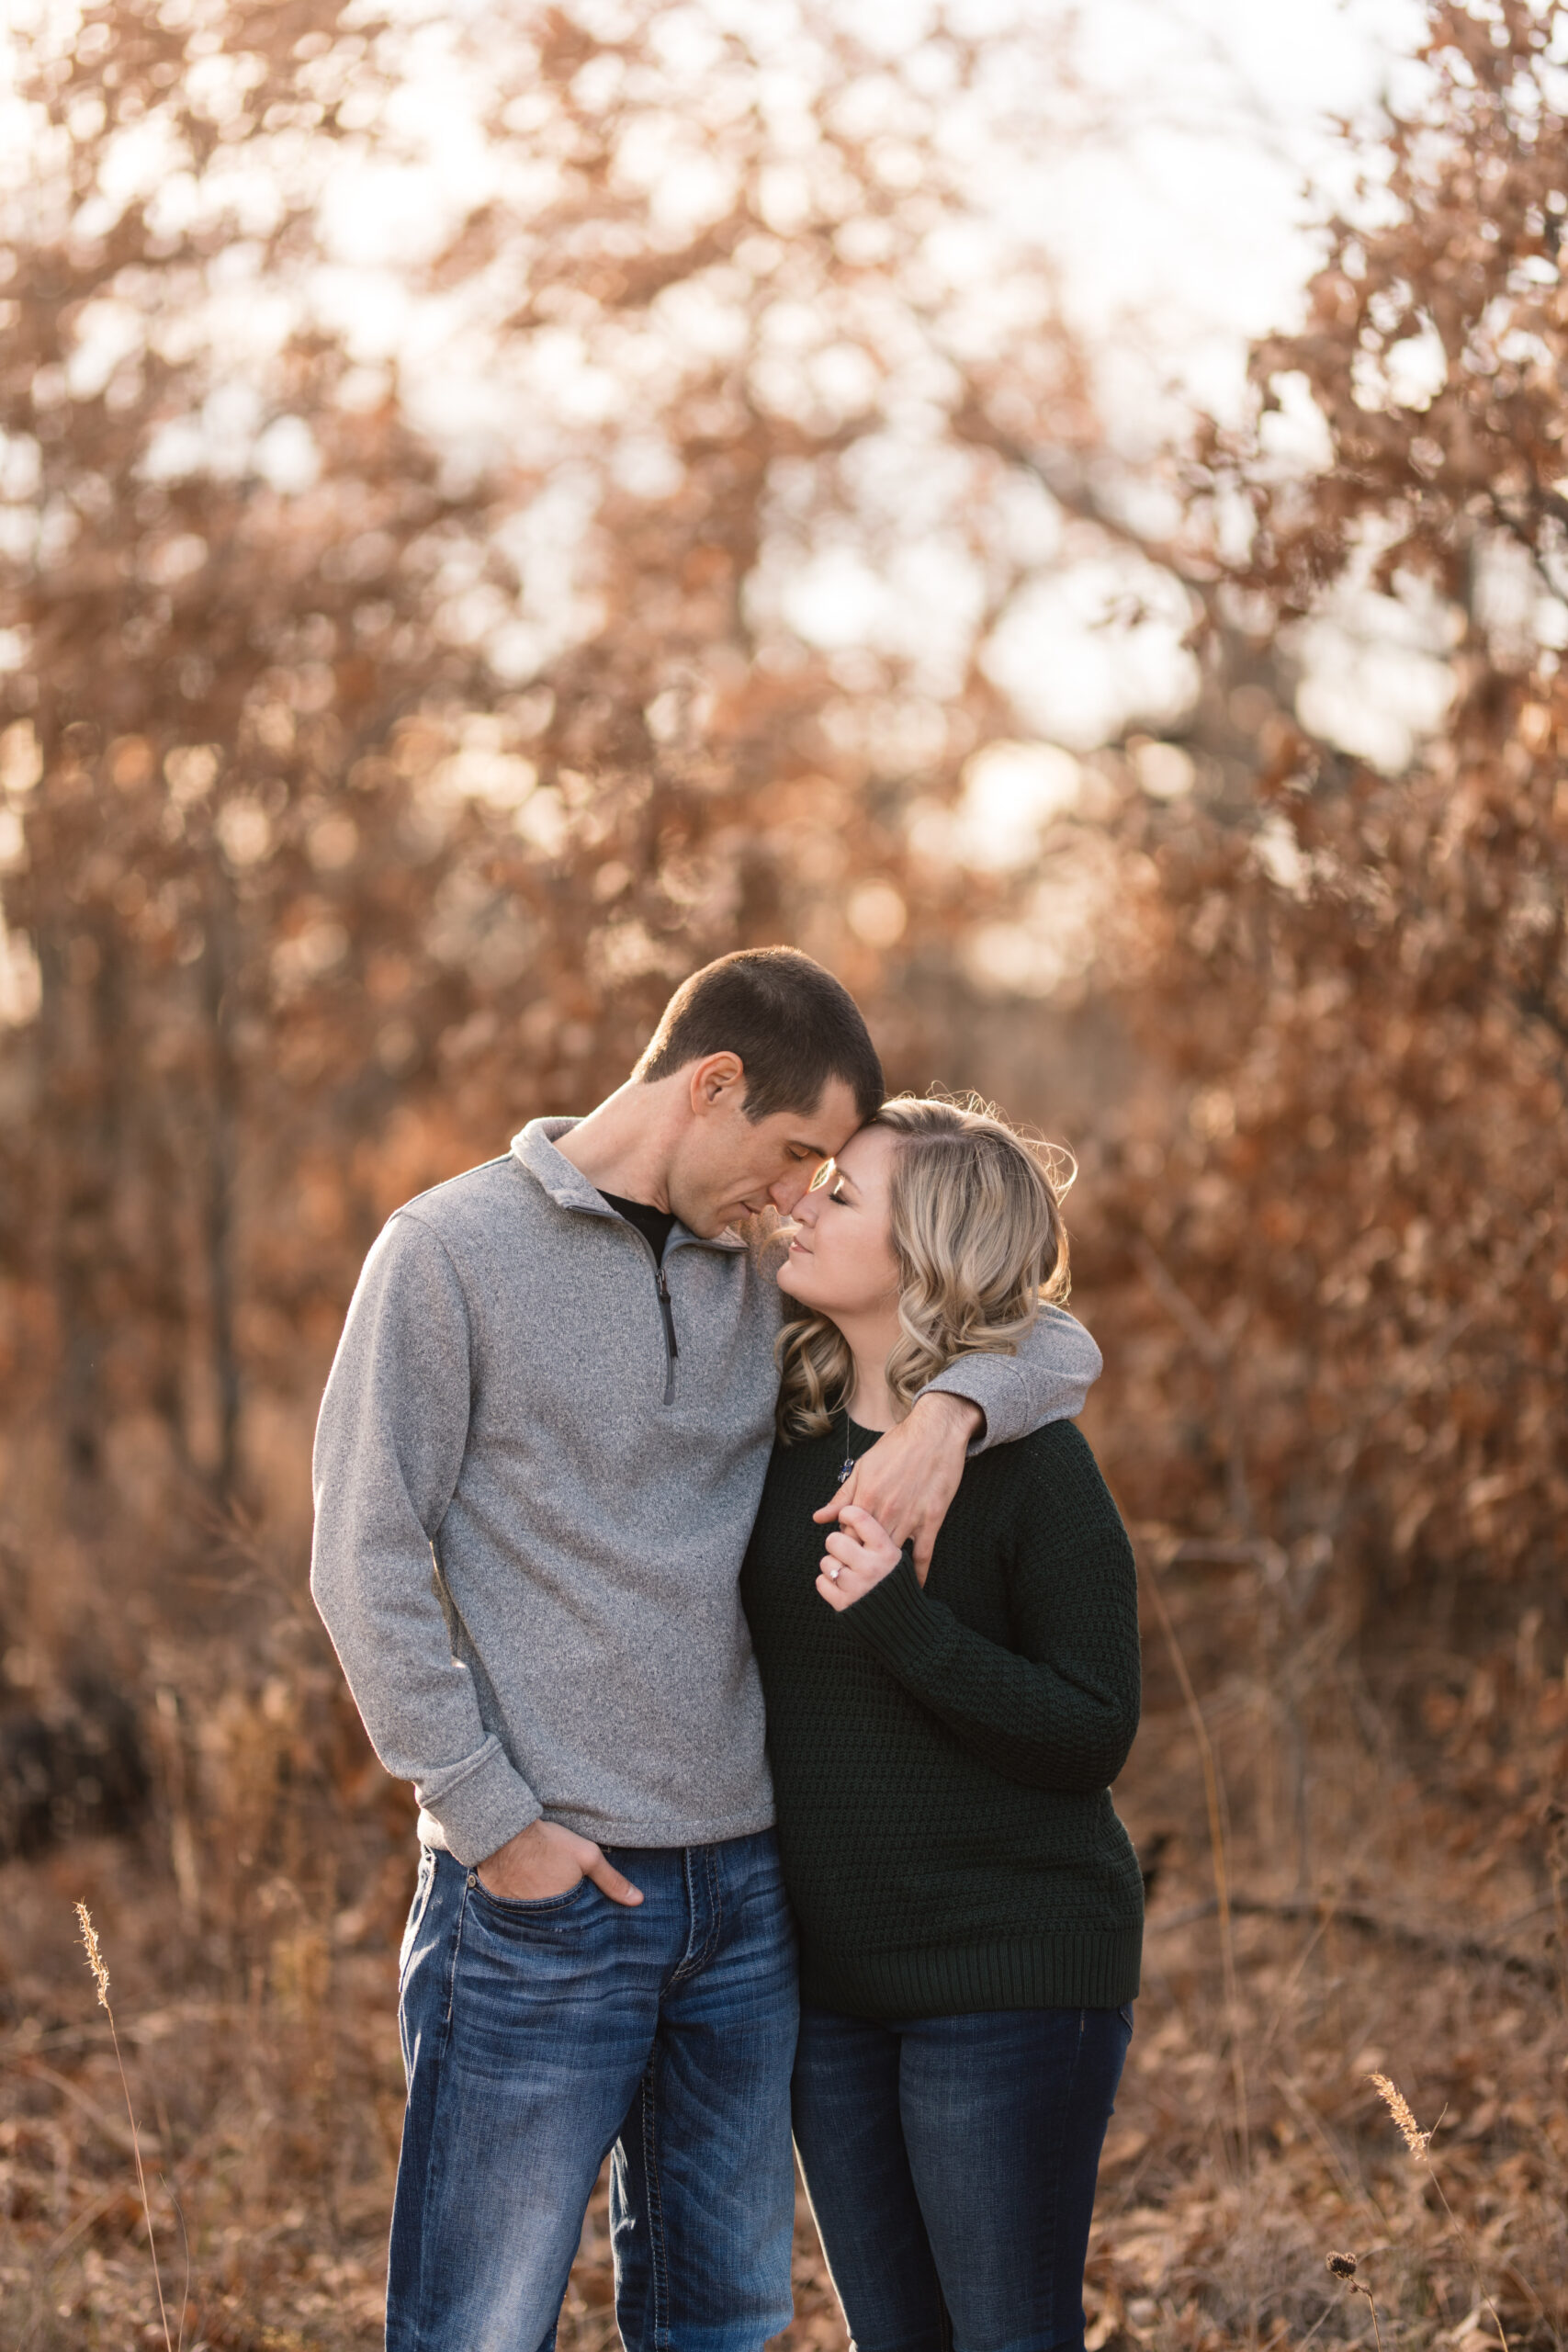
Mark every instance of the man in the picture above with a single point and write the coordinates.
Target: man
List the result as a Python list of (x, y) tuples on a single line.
[(540, 1453)]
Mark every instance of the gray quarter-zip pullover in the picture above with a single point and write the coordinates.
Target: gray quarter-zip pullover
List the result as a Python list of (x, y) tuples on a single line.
[(537, 1464)]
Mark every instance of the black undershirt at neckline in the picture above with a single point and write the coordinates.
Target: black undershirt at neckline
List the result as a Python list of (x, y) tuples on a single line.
[(654, 1225)]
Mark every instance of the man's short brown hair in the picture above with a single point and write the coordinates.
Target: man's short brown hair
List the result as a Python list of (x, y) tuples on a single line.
[(793, 1026)]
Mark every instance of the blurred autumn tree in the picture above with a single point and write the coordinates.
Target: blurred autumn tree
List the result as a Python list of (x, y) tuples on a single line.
[(1348, 1197), (438, 620), (411, 669)]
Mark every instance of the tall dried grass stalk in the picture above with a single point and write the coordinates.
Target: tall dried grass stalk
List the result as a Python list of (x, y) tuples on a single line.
[(1557, 1863), (1419, 2144), (1343, 2266), (1221, 1875), (99, 1967)]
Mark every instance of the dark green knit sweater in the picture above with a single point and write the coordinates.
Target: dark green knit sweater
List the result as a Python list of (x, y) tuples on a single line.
[(943, 1758)]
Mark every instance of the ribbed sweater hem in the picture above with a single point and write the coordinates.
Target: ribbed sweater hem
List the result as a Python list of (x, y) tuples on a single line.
[(1091, 1970), (710, 1830)]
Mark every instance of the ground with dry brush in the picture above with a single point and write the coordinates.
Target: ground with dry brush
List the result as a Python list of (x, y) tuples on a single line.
[(251, 1928)]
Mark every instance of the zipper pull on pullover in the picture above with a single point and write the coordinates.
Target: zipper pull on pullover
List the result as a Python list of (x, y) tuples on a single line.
[(666, 1310)]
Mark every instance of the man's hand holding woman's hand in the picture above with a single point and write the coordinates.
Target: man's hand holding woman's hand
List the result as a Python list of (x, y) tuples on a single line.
[(860, 1552), (546, 1859), (909, 1477)]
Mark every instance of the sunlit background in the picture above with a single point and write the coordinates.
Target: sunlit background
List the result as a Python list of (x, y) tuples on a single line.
[(1060, 513)]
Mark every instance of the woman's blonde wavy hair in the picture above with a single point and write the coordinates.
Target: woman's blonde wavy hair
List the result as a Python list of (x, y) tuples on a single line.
[(976, 1224)]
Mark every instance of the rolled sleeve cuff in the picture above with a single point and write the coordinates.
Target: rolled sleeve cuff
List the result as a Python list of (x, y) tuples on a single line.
[(476, 1806)]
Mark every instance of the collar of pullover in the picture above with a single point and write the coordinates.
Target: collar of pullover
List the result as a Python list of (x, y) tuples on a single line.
[(569, 1188)]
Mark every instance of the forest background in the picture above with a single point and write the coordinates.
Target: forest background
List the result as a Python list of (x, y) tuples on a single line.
[(497, 507)]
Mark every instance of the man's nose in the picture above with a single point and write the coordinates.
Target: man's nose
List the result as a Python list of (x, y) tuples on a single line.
[(789, 1192)]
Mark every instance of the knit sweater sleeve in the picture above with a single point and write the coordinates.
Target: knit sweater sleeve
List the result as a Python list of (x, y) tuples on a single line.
[(1060, 1709), (389, 1444), (1047, 1380)]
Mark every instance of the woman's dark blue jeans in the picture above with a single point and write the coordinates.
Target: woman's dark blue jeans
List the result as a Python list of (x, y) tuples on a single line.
[(951, 2164)]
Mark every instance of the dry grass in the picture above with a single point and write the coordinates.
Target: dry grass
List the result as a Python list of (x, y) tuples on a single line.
[(100, 1968), (252, 1927)]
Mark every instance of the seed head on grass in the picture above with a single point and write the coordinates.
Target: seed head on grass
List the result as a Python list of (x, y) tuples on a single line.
[(96, 1959), (1398, 2106), (1343, 2266)]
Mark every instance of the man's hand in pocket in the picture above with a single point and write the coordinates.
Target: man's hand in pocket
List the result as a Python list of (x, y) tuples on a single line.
[(546, 1859)]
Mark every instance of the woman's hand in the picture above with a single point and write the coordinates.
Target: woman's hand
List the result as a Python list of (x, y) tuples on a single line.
[(860, 1553), (910, 1476)]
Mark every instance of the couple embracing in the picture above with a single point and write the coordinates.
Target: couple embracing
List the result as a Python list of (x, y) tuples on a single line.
[(763, 1642)]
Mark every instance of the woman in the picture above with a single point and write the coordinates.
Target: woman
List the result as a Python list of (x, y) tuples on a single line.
[(970, 1906)]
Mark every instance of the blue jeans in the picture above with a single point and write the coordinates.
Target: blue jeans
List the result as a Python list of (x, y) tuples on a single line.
[(951, 2164), (537, 2036)]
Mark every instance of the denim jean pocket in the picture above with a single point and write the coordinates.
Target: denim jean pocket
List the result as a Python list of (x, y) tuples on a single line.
[(516, 1911)]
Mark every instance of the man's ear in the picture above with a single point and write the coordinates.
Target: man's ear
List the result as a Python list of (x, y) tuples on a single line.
[(718, 1081)]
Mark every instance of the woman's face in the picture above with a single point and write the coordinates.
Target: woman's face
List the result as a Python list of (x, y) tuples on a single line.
[(841, 1260)]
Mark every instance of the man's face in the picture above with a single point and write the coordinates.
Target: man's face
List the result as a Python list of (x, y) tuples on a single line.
[(729, 1167)]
